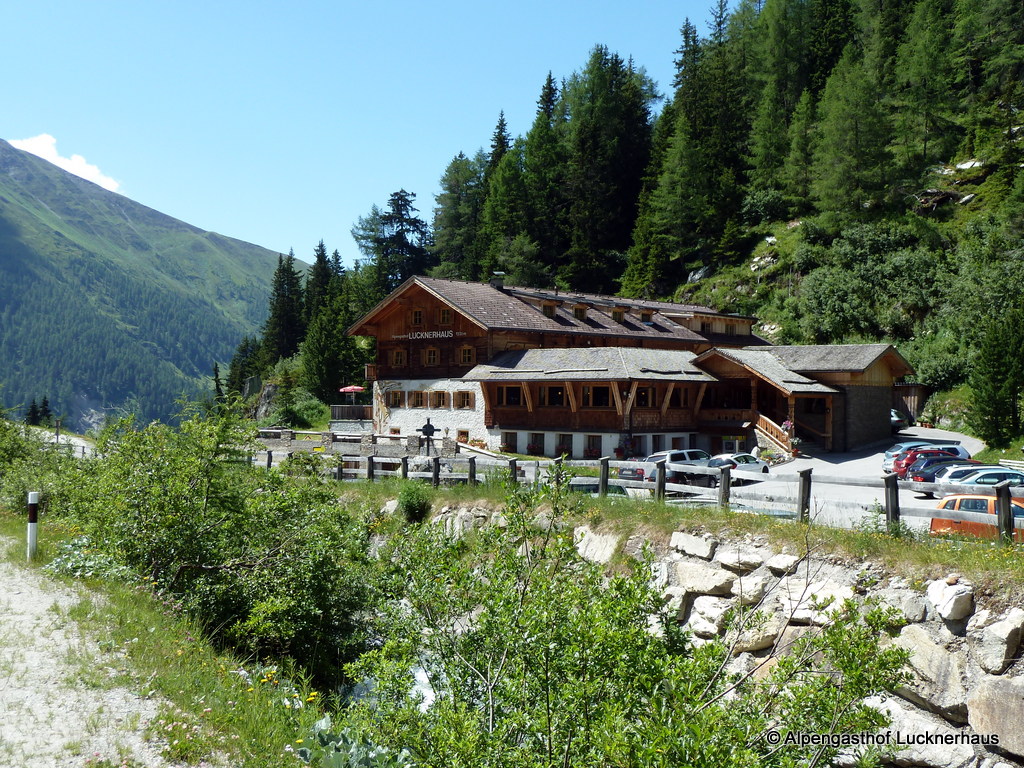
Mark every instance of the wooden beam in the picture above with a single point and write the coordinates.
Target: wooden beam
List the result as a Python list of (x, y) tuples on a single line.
[(668, 397), (632, 397), (616, 398), (528, 397), (570, 393), (700, 399)]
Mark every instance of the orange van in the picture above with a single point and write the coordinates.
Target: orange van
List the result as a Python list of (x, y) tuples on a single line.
[(969, 502)]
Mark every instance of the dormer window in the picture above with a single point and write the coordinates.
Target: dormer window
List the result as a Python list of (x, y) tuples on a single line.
[(619, 315), (580, 311), (548, 310), (646, 316)]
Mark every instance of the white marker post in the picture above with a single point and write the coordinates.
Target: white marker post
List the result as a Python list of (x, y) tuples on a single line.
[(33, 522)]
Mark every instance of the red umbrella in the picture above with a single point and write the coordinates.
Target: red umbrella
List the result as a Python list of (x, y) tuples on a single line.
[(351, 389)]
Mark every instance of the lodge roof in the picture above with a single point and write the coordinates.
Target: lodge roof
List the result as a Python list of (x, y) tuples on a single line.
[(834, 358), (519, 309), (589, 364), (764, 363)]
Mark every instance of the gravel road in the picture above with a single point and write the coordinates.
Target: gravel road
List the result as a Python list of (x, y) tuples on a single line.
[(57, 706)]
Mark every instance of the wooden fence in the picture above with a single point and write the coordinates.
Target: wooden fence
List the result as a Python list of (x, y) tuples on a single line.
[(722, 487)]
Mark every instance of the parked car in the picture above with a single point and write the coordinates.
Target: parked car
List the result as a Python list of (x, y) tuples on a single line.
[(951, 473), (927, 470), (991, 475), (906, 445), (591, 486), (906, 460), (965, 502), (897, 420), (741, 461), (679, 456)]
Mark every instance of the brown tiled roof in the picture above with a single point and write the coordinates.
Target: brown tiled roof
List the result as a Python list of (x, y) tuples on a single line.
[(765, 364), (510, 309), (830, 358)]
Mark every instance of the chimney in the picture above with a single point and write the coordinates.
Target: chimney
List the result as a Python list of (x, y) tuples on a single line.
[(498, 280)]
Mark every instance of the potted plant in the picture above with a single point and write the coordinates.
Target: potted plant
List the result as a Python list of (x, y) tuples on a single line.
[(535, 449), (795, 445)]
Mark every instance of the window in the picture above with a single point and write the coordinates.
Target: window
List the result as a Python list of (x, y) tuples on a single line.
[(431, 356), (508, 442), (396, 398), (464, 400), (579, 312), (593, 446), (444, 317), (467, 355), (618, 315), (462, 436), (563, 444), (535, 447), (730, 329), (644, 397), (657, 443), (417, 399), (597, 397), (646, 316), (510, 396), (398, 358), (394, 431), (705, 327), (552, 396), (548, 310), (438, 399), (417, 317), (680, 398)]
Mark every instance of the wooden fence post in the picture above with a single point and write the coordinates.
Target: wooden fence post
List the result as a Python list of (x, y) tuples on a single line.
[(558, 471), (513, 468), (435, 471), (370, 469), (339, 471), (1004, 512), (471, 471), (270, 459), (724, 486), (602, 478), (405, 467), (892, 501), (803, 496), (659, 481)]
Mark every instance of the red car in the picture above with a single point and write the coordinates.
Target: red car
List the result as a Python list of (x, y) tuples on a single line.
[(905, 459)]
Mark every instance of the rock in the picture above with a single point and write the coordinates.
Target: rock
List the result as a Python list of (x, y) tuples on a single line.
[(750, 589), (390, 507), (920, 739), (636, 546), (914, 608), (996, 706), (953, 602), (739, 560), (701, 579), (760, 631), (811, 602), (595, 547), (937, 683), (993, 643), (659, 575), (677, 602), (707, 617), (782, 564), (694, 546)]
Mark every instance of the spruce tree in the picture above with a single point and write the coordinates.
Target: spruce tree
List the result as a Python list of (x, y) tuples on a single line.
[(45, 415), (32, 415), (285, 325), (318, 283)]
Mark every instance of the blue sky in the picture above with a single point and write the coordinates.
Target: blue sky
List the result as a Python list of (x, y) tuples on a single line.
[(282, 123)]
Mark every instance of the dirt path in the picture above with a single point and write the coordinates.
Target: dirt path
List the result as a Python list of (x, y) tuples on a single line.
[(60, 704)]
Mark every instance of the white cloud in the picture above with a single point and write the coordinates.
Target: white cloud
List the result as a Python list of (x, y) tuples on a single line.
[(45, 146)]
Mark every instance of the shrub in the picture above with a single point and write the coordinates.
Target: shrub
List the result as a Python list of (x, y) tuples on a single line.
[(413, 501)]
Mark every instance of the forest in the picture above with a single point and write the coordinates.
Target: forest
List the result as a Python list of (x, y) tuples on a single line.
[(845, 170)]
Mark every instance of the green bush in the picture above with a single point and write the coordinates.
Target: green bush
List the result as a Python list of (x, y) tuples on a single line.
[(414, 501)]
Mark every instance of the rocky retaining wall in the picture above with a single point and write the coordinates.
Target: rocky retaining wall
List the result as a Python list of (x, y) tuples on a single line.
[(967, 676)]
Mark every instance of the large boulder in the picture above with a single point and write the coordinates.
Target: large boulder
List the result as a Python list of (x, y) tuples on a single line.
[(996, 706), (693, 546), (595, 547), (994, 641), (937, 683), (952, 602), (919, 740), (701, 579), (811, 602), (707, 617)]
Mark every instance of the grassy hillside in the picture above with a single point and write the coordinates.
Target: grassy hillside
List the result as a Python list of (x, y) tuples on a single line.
[(105, 302)]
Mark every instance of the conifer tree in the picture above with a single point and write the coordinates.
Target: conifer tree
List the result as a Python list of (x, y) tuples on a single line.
[(318, 283), (32, 415), (457, 243), (45, 414), (285, 325)]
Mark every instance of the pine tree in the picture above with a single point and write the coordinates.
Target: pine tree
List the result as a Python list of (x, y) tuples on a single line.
[(318, 283), (45, 415), (285, 326), (997, 380), (501, 143), (32, 416), (247, 361), (459, 204), (396, 243)]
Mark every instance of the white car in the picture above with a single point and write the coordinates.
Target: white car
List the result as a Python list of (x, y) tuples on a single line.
[(742, 461), (991, 476)]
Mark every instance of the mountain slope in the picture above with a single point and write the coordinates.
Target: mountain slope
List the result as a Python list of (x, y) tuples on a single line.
[(105, 302)]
